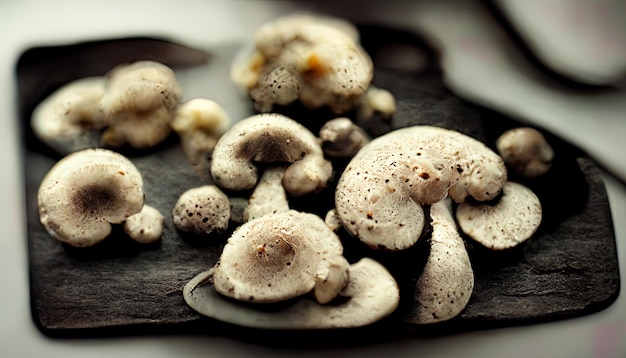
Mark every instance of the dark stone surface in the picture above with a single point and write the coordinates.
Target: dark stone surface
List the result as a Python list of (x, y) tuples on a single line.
[(569, 268)]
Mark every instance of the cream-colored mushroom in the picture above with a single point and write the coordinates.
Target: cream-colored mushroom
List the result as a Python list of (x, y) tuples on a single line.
[(69, 119), (270, 138), (277, 257), (138, 104), (447, 281), (525, 151), (511, 220), (87, 191), (376, 102), (380, 194), (269, 196), (341, 138), (146, 226), (202, 211)]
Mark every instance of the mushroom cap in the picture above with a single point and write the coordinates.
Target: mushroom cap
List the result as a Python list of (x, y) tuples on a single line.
[(269, 138), (447, 281), (69, 120), (139, 103), (525, 151), (87, 191), (275, 257), (511, 220), (146, 226), (203, 210), (372, 294), (341, 138)]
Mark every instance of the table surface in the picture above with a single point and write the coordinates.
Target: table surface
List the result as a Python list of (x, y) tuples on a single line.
[(479, 62)]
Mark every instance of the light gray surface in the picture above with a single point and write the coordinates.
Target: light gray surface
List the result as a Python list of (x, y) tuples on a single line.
[(476, 66)]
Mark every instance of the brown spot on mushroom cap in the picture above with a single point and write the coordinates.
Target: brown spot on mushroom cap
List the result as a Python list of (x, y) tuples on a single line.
[(525, 151), (447, 281), (270, 138), (203, 210), (511, 220), (87, 191), (275, 257)]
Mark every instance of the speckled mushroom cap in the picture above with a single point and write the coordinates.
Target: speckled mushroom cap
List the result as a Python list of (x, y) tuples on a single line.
[(69, 119), (447, 281), (87, 191), (268, 138), (502, 225), (203, 210), (275, 257), (139, 102), (380, 194)]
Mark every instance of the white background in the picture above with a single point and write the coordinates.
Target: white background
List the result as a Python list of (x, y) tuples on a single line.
[(478, 64)]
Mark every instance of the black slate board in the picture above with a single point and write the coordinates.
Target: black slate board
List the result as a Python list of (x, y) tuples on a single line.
[(568, 269)]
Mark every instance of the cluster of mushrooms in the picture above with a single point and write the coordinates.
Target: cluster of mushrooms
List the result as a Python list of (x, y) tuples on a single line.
[(392, 188)]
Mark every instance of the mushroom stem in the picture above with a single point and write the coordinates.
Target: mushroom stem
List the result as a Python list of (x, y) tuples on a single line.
[(269, 196)]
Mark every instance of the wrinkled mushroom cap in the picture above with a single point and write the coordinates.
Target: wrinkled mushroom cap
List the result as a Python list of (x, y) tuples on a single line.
[(511, 220), (203, 211), (275, 257), (87, 191)]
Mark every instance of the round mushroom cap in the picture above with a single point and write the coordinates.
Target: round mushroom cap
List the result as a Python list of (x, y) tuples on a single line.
[(87, 191), (146, 226), (341, 138), (275, 257), (203, 211), (502, 225), (525, 151), (69, 119)]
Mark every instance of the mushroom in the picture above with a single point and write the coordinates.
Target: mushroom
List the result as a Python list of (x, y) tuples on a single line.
[(277, 257), (341, 138), (376, 102), (202, 211), (510, 220), (446, 283), (69, 120), (525, 151), (312, 59), (145, 226), (199, 123), (269, 195), (138, 104), (87, 191), (372, 294), (270, 138), (380, 194)]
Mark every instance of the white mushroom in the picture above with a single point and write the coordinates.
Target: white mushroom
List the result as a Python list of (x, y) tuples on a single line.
[(202, 211), (269, 196), (372, 294), (377, 101), (511, 220), (199, 123), (314, 59), (146, 226), (69, 119), (139, 102), (380, 194), (447, 281), (270, 138), (525, 151), (277, 257), (341, 138), (87, 191)]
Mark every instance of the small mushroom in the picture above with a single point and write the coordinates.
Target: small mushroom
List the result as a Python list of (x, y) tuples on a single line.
[(525, 151), (510, 220), (447, 281), (277, 257), (316, 60), (199, 123), (269, 196), (87, 191), (202, 211), (372, 294), (380, 194), (270, 138), (146, 226), (69, 120), (376, 102), (139, 103), (341, 138)]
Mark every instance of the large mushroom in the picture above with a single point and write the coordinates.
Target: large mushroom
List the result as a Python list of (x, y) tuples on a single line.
[(270, 138), (379, 196), (87, 191)]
